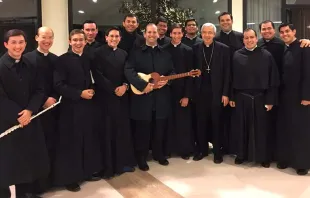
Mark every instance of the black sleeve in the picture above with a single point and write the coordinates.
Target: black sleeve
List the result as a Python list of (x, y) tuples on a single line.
[(132, 75), (305, 85), (271, 97), (36, 100), (226, 71), (60, 84), (189, 80), (231, 79)]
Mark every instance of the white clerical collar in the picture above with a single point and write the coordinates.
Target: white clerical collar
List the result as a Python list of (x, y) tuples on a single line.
[(227, 32), (191, 38), (45, 54), (152, 46), (176, 45), (89, 43), (208, 44), (17, 61), (113, 48), (251, 49), (291, 42), (161, 37), (80, 54)]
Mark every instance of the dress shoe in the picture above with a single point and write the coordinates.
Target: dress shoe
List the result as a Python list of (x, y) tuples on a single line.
[(282, 166), (302, 171), (163, 162), (143, 166), (218, 159), (239, 160), (185, 157), (265, 164), (128, 169), (198, 157), (73, 187), (94, 177)]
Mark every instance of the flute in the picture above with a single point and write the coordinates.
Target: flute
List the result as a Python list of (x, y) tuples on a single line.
[(13, 128)]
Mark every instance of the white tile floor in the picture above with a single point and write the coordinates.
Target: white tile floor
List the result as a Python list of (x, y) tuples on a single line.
[(204, 179)]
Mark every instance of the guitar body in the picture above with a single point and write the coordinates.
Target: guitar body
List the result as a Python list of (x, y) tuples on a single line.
[(150, 78)]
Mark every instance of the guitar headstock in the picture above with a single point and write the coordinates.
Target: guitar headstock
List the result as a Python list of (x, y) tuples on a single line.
[(195, 73)]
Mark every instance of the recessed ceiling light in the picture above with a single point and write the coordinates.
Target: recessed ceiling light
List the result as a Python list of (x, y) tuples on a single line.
[(217, 12), (0, 1), (81, 11), (95, 1), (214, 1)]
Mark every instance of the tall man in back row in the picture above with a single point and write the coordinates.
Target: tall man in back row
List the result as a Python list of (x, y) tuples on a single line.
[(150, 110)]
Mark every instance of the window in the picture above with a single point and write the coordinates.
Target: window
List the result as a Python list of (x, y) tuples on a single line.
[(261, 10), (25, 16), (300, 2)]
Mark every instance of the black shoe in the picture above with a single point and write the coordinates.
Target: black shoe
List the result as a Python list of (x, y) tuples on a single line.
[(218, 159), (239, 161), (94, 177), (282, 166), (163, 162), (73, 187), (185, 157), (265, 164), (302, 171), (198, 157), (143, 166)]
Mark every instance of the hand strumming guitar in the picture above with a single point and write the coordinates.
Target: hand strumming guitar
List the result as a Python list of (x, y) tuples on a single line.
[(148, 88)]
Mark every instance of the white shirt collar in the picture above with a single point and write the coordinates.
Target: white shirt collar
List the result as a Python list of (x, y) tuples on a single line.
[(251, 49)]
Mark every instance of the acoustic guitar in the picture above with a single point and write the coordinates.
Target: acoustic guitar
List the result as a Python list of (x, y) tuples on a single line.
[(154, 78)]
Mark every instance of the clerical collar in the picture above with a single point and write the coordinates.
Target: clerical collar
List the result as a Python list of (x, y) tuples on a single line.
[(208, 45), (151, 45), (80, 54), (227, 32), (291, 42), (9, 61), (45, 54), (112, 48), (90, 43), (160, 38), (175, 45), (251, 49), (191, 38)]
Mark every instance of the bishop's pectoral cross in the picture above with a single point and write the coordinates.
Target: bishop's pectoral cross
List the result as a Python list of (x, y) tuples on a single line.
[(208, 70)]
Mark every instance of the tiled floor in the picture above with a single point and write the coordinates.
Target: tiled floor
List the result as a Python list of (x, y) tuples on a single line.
[(202, 179)]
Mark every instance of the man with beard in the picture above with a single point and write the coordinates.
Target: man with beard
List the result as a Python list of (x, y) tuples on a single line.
[(23, 153), (191, 37), (130, 37), (162, 26), (211, 92), (255, 82), (182, 56), (294, 111), (112, 96), (77, 157), (44, 60), (151, 109)]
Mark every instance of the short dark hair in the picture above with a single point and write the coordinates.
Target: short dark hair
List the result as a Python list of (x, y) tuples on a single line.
[(130, 15), (161, 19), (190, 20), (90, 21), (249, 29), (111, 29), (76, 31), (14, 32), (264, 22), (291, 26), (175, 26), (225, 13)]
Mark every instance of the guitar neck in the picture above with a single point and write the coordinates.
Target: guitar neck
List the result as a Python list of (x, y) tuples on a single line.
[(175, 76)]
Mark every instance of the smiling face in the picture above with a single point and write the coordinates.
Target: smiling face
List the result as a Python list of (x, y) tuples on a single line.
[(16, 46), (130, 24), (207, 34), (151, 34), (176, 35), (45, 39), (287, 35), (90, 31), (250, 39), (113, 38), (78, 42), (191, 27), (162, 28), (267, 31), (226, 23)]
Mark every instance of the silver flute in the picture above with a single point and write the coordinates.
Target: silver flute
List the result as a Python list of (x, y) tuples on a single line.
[(13, 128)]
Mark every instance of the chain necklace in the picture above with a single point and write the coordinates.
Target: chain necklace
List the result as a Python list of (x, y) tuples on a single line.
[(204, 55)]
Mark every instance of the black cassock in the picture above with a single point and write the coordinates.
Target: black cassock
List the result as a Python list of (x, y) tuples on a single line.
[(78, 151), (130, 41), (255, 81), (23, 153), (191, 42), (154, 107), (163, 41), (116, 141), (293, 127), (209, 89), (181, 139)]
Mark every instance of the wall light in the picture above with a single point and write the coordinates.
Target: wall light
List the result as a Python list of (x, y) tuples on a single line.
[(81, 11)]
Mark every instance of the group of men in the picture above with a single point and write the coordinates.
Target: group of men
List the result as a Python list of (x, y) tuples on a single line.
[(251, 100)]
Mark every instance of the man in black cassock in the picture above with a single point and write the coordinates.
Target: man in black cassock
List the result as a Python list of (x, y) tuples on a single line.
[(182, 56), (130, 37), (234, 40), (191, 37), (44, 60), (23, 153), (294, 111), (77, 156), (151, 110), (211, 92), (162, 26), (112, 96), (255, 81)]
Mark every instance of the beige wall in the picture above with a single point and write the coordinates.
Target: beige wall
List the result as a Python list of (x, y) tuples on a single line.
[(55, 16), (237, 12)]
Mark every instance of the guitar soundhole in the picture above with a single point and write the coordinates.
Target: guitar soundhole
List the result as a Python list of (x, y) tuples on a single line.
[(151, 80)]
